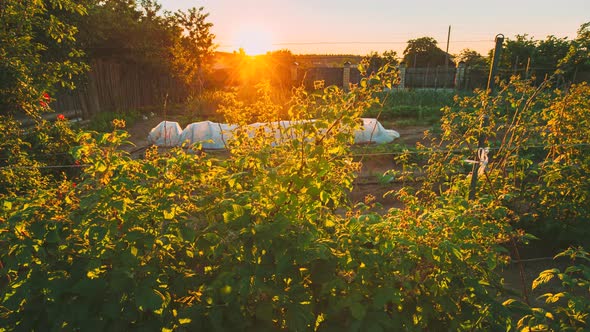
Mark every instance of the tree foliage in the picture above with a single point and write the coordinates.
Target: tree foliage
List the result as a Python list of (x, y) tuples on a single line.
[(128, 32), (137, 32), (193, 49), (424, 52), (38, 52), (577, 57), (377, 61), (472, 59), (543, 58), (516, 53)]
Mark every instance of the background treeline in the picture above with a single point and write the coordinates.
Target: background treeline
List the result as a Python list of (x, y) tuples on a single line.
[(131, 55), (112, 48), (528, 57)]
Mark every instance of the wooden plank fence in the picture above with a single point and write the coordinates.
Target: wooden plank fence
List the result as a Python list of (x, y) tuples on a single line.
[(112, 86)]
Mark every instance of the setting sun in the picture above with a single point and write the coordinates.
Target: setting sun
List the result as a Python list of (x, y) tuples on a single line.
[(254, 40)]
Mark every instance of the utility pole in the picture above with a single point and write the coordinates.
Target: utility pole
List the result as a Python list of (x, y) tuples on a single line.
[(481, 155), (447, 52), (447, 57)]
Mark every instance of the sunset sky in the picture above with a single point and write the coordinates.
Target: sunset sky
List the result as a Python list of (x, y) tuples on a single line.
[(358, 27)]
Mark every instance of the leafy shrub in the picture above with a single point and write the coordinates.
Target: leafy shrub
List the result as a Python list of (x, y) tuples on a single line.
[(16, 151), (538, 165), (567, 308), (204, 106), (26, 153), (561, 196), (413, 107), (103, 121), (257, 241), (38, 53)]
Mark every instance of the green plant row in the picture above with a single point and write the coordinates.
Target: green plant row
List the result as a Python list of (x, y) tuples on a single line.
[(264, 239)]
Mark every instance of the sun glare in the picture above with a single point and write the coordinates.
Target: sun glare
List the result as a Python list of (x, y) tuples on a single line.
[(254, 40)]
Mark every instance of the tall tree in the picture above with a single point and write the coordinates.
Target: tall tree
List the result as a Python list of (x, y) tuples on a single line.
[(424, 52), (550, 51), (472, 59), (517, 52), (128, 31), (377, 61), (548, 54), (578, 55), (193, 50)]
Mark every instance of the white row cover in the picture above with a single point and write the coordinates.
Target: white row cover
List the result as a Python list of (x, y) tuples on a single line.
[(212, 135)]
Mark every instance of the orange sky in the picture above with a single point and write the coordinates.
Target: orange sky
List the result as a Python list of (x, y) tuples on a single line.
[(358, 27)]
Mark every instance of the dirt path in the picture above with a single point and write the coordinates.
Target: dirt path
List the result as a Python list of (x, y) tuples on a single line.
[(412, 135)]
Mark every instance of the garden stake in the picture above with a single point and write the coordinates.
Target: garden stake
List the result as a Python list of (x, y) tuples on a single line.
[(480, 145), (485, 120)]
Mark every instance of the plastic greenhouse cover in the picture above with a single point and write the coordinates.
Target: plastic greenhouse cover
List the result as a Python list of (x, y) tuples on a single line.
[(213, 135)]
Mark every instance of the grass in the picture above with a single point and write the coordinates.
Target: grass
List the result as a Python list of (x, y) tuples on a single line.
[(414, 107), (102, 122), (421, 107)]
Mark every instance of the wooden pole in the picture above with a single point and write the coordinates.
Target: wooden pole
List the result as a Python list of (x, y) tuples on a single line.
[(485, 120), (447, 57)]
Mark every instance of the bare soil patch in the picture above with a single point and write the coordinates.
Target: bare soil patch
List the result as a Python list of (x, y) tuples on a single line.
[(412, 135)]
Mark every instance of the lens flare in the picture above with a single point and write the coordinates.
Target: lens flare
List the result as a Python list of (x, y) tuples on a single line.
[(254, 40)]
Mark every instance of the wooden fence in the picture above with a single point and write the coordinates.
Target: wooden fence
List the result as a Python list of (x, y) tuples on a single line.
[(438, 77), (111, 86), (411, 77)]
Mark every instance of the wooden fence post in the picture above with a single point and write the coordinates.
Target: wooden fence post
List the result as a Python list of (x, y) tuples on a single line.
[(460, 76), (402, 76), (485, 120), (346, 76), (294, 70)]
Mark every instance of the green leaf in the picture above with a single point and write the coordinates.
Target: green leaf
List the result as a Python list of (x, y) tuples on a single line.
[(264, 311), (544, 277), (299, 317), (238, 210), (52, 236), (508, 302), (457, 253), (183, 321), (169, 215), (358, 310), (100, 166), (324, 197), (384, 296), (552, 298), (148, 299)]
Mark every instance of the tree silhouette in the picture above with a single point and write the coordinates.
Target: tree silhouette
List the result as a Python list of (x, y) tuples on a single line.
[(193, 51), (424, 52)]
